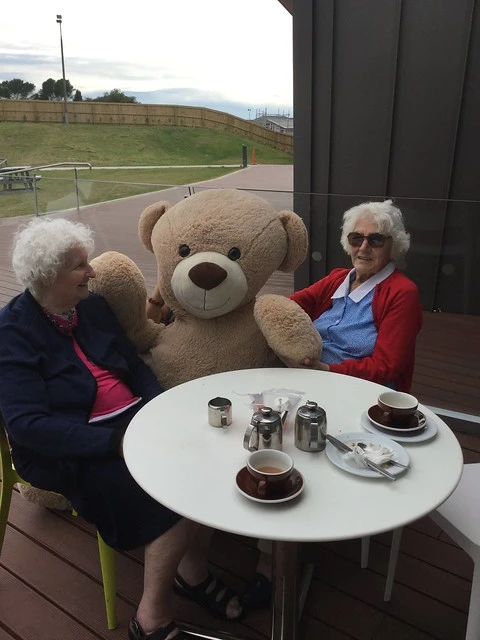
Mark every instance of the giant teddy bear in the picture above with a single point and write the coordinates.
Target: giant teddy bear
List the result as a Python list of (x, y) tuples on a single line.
[(214, 250)]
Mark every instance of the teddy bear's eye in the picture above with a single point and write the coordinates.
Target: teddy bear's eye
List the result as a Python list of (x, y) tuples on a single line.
[(234, 253), (184, 250)]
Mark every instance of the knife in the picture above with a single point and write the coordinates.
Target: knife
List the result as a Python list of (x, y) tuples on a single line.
[(341, 446)]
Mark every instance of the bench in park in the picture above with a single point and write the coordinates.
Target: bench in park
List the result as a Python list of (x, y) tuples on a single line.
[(17, 178)]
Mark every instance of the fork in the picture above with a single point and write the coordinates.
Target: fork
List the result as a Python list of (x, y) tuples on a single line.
[(363, 446)]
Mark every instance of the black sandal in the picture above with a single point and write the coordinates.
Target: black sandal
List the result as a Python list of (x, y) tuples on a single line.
[(212, 595), (258, 594), (135, 632)]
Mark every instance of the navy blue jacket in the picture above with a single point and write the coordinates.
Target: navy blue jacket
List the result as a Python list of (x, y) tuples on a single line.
[(47, 393)]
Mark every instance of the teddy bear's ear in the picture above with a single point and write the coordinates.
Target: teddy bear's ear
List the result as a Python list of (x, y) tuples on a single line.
[(149, 218), (297, 241)]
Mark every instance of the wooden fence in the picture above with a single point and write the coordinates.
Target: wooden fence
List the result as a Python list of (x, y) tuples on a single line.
[(141, 114)]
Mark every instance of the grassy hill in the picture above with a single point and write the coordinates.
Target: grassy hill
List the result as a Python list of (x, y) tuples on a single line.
[(117, 146), (112, 145)]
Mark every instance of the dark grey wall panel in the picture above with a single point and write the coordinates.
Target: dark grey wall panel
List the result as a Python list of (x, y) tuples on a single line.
[(457, 287), (364, 65), (303, 86), (393, 109), (434, 40), (313, 60), (465, 181)]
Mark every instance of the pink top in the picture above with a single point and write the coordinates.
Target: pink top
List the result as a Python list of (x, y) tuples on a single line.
[(113, 395)]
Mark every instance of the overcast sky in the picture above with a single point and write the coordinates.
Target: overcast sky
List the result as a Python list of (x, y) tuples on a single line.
[(232, 55)]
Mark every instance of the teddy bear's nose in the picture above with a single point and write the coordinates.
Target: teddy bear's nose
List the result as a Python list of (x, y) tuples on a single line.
[(207, 275)]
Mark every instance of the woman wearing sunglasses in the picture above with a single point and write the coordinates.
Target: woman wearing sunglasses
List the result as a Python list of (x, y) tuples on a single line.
[(369, 316)]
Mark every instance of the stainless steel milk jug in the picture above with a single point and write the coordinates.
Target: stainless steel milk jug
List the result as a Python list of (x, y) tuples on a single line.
[(310, 427)]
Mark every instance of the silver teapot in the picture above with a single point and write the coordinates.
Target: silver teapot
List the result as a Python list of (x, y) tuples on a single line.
[(266, 427), (310, 427)]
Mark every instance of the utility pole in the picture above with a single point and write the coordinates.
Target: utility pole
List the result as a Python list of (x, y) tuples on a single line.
[(65, 112)]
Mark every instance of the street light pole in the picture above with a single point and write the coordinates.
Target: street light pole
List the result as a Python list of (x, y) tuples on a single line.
[(249, 114), (65, 112)]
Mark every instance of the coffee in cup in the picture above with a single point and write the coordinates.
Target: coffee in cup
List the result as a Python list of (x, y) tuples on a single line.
[(271, 469), (398, 407)]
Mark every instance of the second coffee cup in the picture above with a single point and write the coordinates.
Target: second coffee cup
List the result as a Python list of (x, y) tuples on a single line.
[(271, 469), (398, 407)]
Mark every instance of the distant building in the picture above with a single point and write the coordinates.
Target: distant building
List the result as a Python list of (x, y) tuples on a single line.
[(278, 123)]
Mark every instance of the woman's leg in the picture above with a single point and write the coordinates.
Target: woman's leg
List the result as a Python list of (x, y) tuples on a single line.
[(259, 592), (193, 566), (162, 557), (185, 546), (193, 570)]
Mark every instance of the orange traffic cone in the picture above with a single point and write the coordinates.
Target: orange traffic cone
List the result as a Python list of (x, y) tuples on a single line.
[(254, 156)]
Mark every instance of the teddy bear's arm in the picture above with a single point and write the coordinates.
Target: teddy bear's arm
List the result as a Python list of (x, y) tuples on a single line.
[(287, 328), (121, 283)]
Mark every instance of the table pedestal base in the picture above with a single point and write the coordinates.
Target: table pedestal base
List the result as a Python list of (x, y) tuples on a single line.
[(285, 612), (287, 606), (197, 632)]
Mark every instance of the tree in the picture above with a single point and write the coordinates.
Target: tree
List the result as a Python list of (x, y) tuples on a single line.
[(53, 90), (16, 89), (115, 95), (78, 96), (47, 91)]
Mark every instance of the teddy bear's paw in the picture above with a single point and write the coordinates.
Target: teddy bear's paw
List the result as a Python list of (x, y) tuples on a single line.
[(287, 328), (42, 498)]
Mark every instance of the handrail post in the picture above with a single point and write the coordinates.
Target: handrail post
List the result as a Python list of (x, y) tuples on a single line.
[(35, 193), (75, 171)]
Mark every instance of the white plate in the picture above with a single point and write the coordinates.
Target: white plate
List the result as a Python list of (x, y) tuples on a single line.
[(428, 433), (347, 463)]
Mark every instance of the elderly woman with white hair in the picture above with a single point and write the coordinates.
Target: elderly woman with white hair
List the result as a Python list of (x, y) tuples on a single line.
[(368, 316), (70, 384)]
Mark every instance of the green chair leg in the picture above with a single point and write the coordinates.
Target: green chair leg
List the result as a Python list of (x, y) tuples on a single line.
[(9, 477), (5, 500), (107, 564)]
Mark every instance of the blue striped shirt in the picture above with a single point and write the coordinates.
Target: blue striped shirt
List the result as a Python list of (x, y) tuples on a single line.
[(348, 329)]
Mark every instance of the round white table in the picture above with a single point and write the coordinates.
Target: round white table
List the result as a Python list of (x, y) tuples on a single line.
[(189, 466)]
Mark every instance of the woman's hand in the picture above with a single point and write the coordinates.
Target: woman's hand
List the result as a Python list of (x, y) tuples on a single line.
[(156, 309), (308, 363)]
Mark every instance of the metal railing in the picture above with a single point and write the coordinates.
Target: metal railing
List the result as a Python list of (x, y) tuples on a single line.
[(34, 178)]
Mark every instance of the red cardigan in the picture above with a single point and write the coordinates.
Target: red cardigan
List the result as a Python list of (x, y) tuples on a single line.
[(397, 315)]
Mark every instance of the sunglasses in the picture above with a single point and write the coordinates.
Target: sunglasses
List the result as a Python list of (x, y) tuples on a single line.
[(375, 240)]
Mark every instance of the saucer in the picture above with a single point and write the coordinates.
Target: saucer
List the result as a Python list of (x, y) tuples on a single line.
[(249, 487), (416, 422), (402, 435)]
